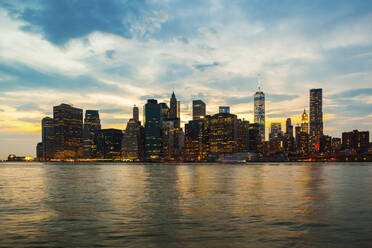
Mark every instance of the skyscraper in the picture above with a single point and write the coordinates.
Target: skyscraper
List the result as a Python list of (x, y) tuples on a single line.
[(48, 138), (153, 130), (289, 127), (135, 113), (305, 122), (174, 111), (275, 130), (92, 124), (316, 119), (224, 109), (259, 113), (198, 109), (68, 124)]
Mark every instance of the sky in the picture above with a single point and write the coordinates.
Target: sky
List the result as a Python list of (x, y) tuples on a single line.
[(109, 55)]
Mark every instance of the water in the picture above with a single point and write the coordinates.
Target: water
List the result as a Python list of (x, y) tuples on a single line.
[(157, 205)]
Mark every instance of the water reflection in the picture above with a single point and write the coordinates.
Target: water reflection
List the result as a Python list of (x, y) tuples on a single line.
[(159, 205)]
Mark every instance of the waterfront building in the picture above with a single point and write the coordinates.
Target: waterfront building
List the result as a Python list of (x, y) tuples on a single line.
[(356, 141), (153, 130), (222, 128), (326, 145), (303, 143), (109, 143), (259, 112), (132, 146), (316, 119), (242, 139), (48, 138), (169, 141), (39, 151), (297, 135), (196, 140), (254, 137), (224, 109), (92, 124), (68, 126), (336, 145), (198, 109)]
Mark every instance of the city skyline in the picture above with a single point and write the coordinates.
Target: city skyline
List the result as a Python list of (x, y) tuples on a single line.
[(112, 67)]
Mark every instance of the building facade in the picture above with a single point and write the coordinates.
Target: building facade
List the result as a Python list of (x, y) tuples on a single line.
[(68, 124), (316, 119), (153, 130), (198, 109), (48, 138), (92, 124), (259, 113)]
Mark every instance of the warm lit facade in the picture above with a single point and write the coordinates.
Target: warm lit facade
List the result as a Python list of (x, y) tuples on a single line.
[(132, 147), (316, 119), (198, 109), (356, 141), (68, 125), (196, 140), (48, 138), (222, 130)]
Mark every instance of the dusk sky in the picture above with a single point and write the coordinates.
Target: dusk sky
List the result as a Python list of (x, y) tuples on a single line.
[(110, 55)]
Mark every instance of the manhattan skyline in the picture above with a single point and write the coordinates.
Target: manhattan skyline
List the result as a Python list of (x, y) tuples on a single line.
[(145, 50)]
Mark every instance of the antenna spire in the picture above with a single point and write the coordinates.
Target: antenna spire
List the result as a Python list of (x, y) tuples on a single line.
[(259, 81)]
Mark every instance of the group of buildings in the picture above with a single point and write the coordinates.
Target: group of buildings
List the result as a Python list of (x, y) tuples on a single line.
[(219, 137)]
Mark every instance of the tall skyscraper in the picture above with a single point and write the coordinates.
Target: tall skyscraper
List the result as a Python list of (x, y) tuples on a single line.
[(316, 119), (153, 130), (135, 113), (132, 146), (196, 140), (305, 122), (224, 109), (174, 111), (259, 113), (198, 109), (68, 124), (48, 138), (92, 124), (275, 130), (289, 127)]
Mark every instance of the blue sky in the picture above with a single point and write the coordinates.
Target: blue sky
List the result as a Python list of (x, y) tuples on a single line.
[(110, 55)]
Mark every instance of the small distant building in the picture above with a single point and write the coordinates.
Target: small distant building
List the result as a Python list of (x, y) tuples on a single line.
[(39, 151)]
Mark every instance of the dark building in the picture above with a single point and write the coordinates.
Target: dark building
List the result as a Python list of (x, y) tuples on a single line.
[(132, 146), (48, 138), (297, 135), (326, 145), (198, 109), (316, 119), (135, 113), (174, 111), (92, 124), (289, 127), (303, 143), (165, 111), (39, 151), (153, 130), (169, 141), (222, 128), (242, 139), (336, 145), (196, 140), (288, 142), (68, 124), (254, 137), (356, 141), (109, 143)]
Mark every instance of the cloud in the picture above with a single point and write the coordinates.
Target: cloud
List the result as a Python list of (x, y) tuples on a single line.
[(28, 107), (110, 54), (353, 93), (202, 67)]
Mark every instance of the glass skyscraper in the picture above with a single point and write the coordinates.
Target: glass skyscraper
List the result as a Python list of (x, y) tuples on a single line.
[(68, 124), (259, 113), (153, 130), (48, 138), (198, 109), (92, 124), (316, 119)]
